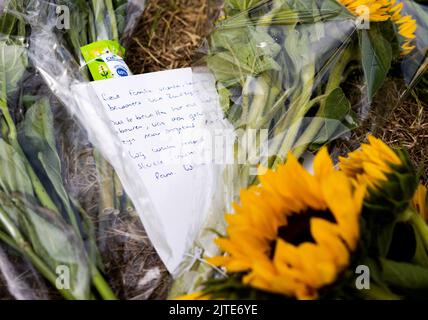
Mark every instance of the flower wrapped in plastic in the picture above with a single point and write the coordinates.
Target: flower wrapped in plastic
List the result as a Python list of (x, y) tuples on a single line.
[(67, 228), (301, 235), (293, 76)]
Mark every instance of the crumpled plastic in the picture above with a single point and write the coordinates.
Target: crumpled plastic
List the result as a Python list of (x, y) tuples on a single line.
[(293, 76), (62, 205)]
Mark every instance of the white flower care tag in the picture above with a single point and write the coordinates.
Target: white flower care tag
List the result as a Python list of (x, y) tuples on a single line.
[(116, 65), (153, 130)]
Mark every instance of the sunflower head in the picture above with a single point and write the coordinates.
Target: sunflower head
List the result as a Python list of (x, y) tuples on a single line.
[(386, 10), (294, 233), (388, 174)]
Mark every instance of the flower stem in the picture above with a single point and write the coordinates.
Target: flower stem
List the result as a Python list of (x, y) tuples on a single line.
[(112, 17), (106, 181), (291, 124), (317, 122), (39, 189), (420, 226), (102, 286)]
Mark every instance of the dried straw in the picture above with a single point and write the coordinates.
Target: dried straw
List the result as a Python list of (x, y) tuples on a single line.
[(408, 127), (169, 33)]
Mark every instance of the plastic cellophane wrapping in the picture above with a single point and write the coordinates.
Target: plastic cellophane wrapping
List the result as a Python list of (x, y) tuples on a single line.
[(67, 227), (293, 76)]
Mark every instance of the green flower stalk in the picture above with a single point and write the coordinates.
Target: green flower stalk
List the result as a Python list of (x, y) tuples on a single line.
[(270, 70), (280, 66)]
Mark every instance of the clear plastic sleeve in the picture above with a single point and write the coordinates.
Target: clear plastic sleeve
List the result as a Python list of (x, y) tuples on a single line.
[(296, 75), (67, 227)]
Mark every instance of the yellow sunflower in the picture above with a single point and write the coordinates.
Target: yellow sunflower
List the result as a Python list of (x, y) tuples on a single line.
[(384, 10), (294, 233), (370, 164), (420, 201)]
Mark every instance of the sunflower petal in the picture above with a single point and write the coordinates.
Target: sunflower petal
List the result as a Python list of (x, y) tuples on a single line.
[(323, 165)]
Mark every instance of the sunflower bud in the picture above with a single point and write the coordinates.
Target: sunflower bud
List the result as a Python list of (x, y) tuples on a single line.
[(389, 175)]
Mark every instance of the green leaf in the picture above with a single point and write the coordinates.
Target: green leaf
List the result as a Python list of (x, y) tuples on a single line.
[(9, 207), (37, 137), (13, 173), (12, 26), (421, 254), (13, 62), (334, 117), (376, 56), (334, 6), (236, 55), (7, 23), (298, 57), (337, 105), (38, 127), (224, 96), (56, 243), (236, 65), (404, 276), (236, 6)]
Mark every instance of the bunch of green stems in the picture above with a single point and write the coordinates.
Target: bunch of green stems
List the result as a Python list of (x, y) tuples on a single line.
[(285, 86)]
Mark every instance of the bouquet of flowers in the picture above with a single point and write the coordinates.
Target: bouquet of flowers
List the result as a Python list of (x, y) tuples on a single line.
[(351, 231), (62, 207), (303, 73)]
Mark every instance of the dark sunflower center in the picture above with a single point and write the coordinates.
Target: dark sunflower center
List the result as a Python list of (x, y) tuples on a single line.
[(297, 230)]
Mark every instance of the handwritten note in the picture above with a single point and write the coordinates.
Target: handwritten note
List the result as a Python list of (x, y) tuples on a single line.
[(159, 123)]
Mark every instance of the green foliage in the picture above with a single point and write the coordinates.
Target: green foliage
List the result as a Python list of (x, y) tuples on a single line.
[(376, 58)]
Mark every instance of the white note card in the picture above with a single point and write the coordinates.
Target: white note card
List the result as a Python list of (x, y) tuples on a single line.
[(160, 124)]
